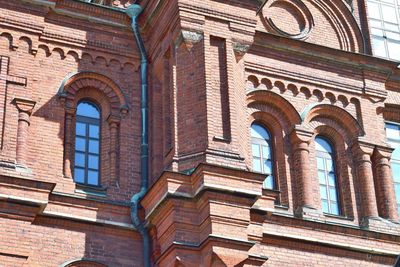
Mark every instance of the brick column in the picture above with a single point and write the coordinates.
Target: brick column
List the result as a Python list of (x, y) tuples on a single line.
[(300, 140), (362, 155), (385, 187), (69, 115), (113, 122), (25, 107)]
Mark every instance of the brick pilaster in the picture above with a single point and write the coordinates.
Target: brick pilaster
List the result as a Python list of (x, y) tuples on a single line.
[(362, 154), (25, 107), (385, 187)]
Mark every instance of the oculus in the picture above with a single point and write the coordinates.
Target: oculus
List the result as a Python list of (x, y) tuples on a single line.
[(289, 18)]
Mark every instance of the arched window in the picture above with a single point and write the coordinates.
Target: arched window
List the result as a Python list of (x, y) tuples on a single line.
[(393, 138), (87, 144), (262, 154), (327, 176)]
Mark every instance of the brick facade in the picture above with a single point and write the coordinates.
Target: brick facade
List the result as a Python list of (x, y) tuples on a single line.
[(299, 68)]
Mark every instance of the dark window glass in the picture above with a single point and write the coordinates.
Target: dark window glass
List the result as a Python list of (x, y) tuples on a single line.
[(262, 156), (87, 144), (327, 176), (393, 139)]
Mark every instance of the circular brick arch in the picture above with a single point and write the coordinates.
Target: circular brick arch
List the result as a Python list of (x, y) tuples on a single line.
[(74, 82), (337, 114), (270, 102)]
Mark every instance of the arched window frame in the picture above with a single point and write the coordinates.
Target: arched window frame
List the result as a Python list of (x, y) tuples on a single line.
[(260, 142), (394, 141), (113, 105), (325, 181), (88, 138)]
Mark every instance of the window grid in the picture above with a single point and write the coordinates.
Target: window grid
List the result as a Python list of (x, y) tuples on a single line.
[(393, 139), (87, 150), (327, 182), (262, 156), (384, 18)]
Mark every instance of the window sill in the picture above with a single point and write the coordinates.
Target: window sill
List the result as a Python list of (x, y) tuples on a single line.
[(222, 139), (91, 190), (340, 217)]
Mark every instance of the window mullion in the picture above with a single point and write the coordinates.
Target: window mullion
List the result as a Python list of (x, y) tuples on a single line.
[(87, 154)]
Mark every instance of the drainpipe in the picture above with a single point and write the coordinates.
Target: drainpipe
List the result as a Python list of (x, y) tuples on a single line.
[(133, 11)]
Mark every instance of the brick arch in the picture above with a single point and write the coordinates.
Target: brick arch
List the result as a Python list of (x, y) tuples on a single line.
[(337, 114), (83, 263), (74, 82), (270, 102)]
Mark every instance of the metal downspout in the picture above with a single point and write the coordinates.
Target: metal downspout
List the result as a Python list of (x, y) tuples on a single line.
[(133, 11)]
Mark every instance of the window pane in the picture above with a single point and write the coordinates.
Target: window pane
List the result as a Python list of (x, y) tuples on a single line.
[(322, 145), (331, 179), (260, 132), (268, 182), (392, 131), (256, 150), (320, 164), (266, 152), (325, 207), (332, 194), (88, 109), (93, 162), (378, 44), (394, 50), (94, 146), (376, 24), (94, 131), (335, 208), (396, 172), (397, 190), (389, 14), (93, 177), (256, 164), (80, 144), (396, 153), (79, 159), (321, 177), (323, 192), (79, 175), (373, 10), (80, 129), (393, 36), (377, 32), (329, 165), (267, 166)]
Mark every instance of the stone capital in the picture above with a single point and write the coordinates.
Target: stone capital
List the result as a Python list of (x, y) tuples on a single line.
[(24, 105), (240, 49), (300, 136), (189, 38), (361, 148), (113, 120), (382, 152)]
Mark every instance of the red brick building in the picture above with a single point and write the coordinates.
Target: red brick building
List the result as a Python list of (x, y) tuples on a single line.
[(199, 133)]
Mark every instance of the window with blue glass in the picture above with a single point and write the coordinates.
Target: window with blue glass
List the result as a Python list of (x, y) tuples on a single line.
[(393, 139), (262, 154), (327, 176), (87, 144)]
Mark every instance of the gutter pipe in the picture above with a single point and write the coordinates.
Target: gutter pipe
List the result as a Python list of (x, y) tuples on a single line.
[(133, 11)]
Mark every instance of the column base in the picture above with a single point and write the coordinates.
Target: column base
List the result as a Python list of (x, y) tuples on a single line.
[(308, 213)]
